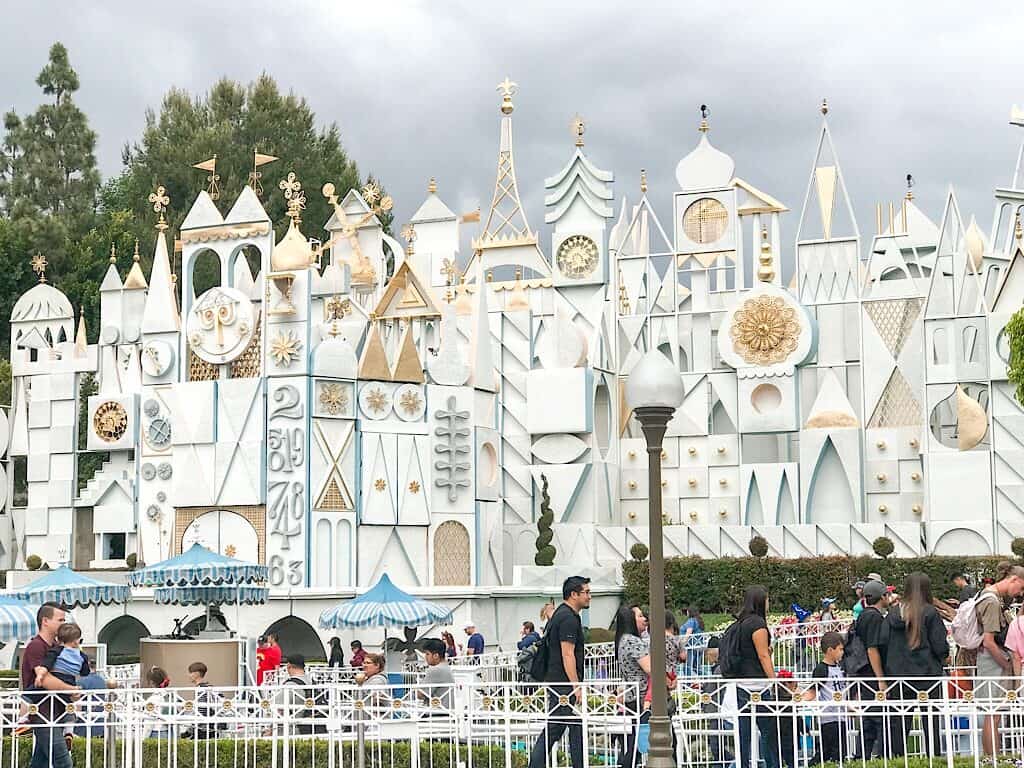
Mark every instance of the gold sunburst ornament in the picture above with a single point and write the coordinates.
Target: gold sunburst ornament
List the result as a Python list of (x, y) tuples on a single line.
[(377, 400), (230, 550), (285, 348), (333, 398), (110, 421), (765, 331), (410, 402)]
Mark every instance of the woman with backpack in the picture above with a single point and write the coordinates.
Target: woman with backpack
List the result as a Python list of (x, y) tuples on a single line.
[(917, 653), (634, 660), (745, 653)]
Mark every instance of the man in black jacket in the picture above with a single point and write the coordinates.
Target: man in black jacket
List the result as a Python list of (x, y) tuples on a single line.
[(870, 628)]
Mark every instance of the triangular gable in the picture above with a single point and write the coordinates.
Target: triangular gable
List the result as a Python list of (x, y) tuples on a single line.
[(374, 364), (203, 213), (1013, 277), (406, 296), (758, 201), (247, 209), (354, 208)]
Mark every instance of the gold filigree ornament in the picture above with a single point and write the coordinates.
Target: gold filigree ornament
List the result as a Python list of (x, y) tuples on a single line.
[(110, 421), (377, 400), (333, 399), (230, 550), (765, 331), (414, 487)]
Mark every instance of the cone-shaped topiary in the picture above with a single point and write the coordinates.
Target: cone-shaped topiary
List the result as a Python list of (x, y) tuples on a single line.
[(545, 551)]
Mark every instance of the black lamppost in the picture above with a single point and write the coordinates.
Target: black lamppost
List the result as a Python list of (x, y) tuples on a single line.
[(654, 391)]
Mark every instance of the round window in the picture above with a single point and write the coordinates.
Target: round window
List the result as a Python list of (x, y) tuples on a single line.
[(705, 221)]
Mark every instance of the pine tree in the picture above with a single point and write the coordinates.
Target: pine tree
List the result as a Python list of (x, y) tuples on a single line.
[(545, 550)]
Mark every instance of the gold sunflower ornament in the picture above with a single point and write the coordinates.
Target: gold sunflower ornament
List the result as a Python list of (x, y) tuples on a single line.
[(765, 330)]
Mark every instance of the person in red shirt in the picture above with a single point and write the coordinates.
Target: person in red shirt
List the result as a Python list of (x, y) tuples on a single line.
[(50, 751), (268, 657)]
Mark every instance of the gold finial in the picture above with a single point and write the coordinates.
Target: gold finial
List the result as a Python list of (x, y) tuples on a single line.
[(409, 235), (490, 275), (39, 266), (507, 88), (210, 166), (1017, 231), (766, 270), (294, 196), (160, 201), (577, 128), (135, 256), (113, 254), (910, 185), (824, 106), (643, 181), (704, 112), (432, 186), (449, 268)]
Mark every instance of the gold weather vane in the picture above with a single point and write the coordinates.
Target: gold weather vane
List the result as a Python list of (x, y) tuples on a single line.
[(378, 203), (39, 264), (294, 196), (409, 235), (160, 201), (578, 126), (210, 166), (255, 175), (450, 269)]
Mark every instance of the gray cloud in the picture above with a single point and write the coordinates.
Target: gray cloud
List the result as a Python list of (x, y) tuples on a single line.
[(925, 88)]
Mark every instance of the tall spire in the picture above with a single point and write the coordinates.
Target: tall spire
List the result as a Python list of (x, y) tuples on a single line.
[(506, 238)]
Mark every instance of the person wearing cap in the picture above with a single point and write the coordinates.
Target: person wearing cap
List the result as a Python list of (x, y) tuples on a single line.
[(875, 577), (475, 641), (869, 628), (827, 615)]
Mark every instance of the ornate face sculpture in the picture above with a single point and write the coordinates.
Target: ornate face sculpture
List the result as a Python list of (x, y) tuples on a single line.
[(577, 257), (220, 325)]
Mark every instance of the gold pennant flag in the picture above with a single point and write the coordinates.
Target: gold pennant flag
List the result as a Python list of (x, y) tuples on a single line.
[(207, 165), (259, 159)]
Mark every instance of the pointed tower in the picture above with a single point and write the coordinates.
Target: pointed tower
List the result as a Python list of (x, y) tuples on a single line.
[(133, 300), (437, 238), (507, 239), (161, 323), (110, 303)]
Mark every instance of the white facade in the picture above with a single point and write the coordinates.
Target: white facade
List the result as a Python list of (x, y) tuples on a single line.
[(335, 422)]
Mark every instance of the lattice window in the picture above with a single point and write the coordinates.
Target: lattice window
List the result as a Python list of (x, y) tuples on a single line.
[(705, 221), (897, 407), (333, 500), (247, 365), (893, 320), (256, 515), (451, 555), (200, 370)]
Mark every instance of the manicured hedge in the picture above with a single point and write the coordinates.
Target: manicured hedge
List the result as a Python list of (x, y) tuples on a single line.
[(717, 585), (303, 753)]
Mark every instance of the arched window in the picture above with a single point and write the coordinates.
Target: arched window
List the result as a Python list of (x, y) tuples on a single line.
[(451, 555), (298, 636), (121, 637)]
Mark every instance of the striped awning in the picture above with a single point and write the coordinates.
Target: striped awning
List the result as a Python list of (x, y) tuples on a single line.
[(196, 567), (384, 605), (66, 587), (207, 594), (17, 620)]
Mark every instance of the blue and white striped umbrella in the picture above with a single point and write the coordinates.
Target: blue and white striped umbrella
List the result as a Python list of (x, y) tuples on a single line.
[(17, 619), (384, 605), (66, 587), (198, 566), (205, 594)]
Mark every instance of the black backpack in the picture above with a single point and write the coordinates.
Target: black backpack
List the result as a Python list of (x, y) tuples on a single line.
[(855, 653), (729, 656), (532, 662)]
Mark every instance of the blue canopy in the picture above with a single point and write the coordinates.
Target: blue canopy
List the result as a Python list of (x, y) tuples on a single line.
[(17, 619), (384, 605), (198, 566), (66, 587), (227, 594)]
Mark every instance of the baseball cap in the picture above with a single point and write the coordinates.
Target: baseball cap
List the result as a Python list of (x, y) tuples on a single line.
[(873, 591), (784, 674), (859, 585), (468, 624), (874, 577)]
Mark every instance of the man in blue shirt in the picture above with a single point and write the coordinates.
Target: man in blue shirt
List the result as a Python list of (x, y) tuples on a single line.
[(530, 636), (475, 643)]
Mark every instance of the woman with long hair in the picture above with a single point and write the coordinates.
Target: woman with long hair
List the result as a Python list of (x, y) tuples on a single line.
[(635, 664), (337, 657), (748, 638), (916, 654), (450, 649)]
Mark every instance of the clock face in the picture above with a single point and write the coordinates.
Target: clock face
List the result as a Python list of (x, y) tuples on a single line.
[(705, 221), (577, 257), (220, 325), (157, 357)]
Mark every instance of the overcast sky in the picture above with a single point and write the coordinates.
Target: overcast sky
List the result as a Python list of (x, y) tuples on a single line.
[(922, 88)]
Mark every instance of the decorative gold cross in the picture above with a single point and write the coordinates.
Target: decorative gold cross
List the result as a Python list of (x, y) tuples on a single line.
[(160, 201), (450, 270), (293, 194), (507, 87), (39, 266)]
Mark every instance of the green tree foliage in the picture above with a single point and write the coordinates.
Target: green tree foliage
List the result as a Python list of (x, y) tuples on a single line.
[(639, 551), (883, 546), (1015, 339), (545, 550), (758, 546)]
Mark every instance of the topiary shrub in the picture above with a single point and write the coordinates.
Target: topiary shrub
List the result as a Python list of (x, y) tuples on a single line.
[(1014, 332), (883, 546), (33, 562), (545, 551), (758, 546), (639, 552), (132, 561), (1017, 547)]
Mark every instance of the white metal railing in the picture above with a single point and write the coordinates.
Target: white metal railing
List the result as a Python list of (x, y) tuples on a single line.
[(495, 725)]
